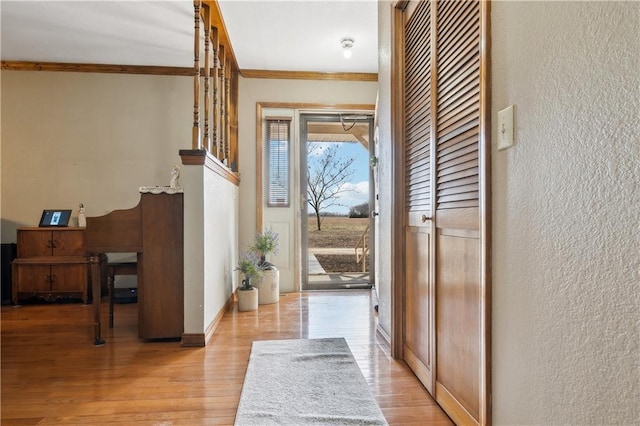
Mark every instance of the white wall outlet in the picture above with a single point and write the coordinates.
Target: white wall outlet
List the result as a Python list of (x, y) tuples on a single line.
[(505, 128)]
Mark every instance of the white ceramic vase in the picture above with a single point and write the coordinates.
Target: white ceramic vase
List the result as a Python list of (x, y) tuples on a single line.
[(248, 300), (268, 287)]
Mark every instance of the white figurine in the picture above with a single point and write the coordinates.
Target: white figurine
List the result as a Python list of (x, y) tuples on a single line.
[(175, 175), (82, 218)]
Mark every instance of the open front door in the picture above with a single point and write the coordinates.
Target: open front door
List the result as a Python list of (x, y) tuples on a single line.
[(320, 181)]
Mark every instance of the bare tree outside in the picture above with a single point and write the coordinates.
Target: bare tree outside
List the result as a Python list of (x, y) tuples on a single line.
[(327, 175)]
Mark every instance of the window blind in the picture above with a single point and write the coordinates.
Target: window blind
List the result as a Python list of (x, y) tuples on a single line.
[(278, 131)]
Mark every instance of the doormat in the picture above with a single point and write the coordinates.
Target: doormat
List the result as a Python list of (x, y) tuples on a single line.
[(305, 382)]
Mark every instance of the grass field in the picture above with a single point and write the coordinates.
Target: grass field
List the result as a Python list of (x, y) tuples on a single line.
[(337, 232)]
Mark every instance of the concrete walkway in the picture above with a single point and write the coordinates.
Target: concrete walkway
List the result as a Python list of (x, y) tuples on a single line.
[(320, 279), (318, 274), (315, 267), (333, 250)]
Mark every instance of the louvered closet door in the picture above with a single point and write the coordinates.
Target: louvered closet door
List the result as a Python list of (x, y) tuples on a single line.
[(460, 328), (418, 231), (446, 303)]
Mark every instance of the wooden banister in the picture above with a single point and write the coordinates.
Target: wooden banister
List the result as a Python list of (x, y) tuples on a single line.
[(219, 75)]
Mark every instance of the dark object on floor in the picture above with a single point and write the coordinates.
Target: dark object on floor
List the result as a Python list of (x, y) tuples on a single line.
[(8, 254), (125, 295)]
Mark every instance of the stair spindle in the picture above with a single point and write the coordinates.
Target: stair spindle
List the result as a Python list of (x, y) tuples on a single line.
[(216, 113), (227, 146), (223, 136), (195, 136), (206, 139)]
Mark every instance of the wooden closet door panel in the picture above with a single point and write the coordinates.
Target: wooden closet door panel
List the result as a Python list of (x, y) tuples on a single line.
[(460, 191), (458, 317), (417, 129), (458, 104), (418, 327), (418, 290)]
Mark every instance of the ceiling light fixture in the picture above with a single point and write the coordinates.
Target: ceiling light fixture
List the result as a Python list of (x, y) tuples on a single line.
[(347, 44)]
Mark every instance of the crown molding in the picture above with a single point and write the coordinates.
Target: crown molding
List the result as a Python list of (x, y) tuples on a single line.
[(309, 75), (180, 71), (96, 68)]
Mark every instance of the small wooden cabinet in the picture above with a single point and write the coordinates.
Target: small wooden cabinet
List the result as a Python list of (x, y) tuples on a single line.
[(51, 264)]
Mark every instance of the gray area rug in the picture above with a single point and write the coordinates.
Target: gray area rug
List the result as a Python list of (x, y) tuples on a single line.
[(305, 382)]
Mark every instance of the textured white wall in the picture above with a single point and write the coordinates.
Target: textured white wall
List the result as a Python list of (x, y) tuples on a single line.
[(566, 209)]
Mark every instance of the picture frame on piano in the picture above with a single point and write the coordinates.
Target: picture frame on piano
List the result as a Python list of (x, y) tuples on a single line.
[(55, 218)]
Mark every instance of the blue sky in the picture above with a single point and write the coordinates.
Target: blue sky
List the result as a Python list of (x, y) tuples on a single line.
[(358, 185)]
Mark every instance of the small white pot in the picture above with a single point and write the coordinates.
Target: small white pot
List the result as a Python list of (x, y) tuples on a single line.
[(247, 299)]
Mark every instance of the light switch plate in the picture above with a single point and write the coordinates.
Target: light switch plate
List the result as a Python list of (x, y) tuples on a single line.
[(505, 128)]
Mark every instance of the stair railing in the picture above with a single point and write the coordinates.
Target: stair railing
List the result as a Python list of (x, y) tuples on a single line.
[(362, 249)]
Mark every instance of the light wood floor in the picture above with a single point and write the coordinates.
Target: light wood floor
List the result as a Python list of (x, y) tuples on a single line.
[(52, 373)]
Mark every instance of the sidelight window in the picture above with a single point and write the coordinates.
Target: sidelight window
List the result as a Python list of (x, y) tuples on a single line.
[(278, 147)]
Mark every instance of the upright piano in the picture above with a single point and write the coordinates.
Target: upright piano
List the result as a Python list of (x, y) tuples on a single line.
[(154, 230)]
